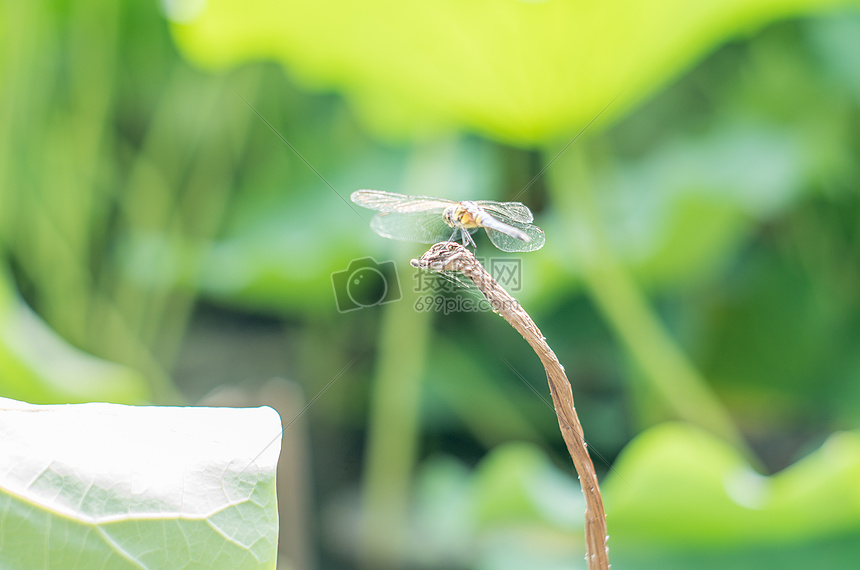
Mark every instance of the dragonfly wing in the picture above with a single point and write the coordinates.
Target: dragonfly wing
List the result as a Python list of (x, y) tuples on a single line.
[(516, 211), (507, 242), (423, 227), (393, 202)]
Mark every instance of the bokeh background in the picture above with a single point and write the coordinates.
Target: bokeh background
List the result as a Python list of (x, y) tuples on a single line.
[(174, 183)]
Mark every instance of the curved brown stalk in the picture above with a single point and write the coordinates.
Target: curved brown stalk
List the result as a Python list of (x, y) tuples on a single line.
[(449, 256)]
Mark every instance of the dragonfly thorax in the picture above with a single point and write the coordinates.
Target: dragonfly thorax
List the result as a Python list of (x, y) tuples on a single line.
[(465, 215)]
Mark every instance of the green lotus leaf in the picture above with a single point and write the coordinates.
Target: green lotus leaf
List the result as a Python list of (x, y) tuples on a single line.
[(113, 486), (676, 497), (676, 484), (523, 72)]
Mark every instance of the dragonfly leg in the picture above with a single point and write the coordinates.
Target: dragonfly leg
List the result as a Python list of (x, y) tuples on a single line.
[(466, 236), (468, 240)]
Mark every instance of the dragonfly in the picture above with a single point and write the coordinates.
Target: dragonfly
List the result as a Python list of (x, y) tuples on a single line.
[(431, 220)]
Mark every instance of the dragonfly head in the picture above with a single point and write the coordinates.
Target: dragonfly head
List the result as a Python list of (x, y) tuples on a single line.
[(451, 215)]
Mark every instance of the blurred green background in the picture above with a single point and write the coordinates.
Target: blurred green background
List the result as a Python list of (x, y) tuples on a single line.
[(701, 280)]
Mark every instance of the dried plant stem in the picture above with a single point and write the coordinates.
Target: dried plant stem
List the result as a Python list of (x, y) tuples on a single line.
[(449, 256)]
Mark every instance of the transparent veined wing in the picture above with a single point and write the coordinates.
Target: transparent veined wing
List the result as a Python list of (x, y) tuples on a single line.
[(506, 242), (423, 227), (516, 211), (393, 202)]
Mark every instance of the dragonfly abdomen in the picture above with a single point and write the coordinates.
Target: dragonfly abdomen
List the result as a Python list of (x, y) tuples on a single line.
[(492, 223)]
